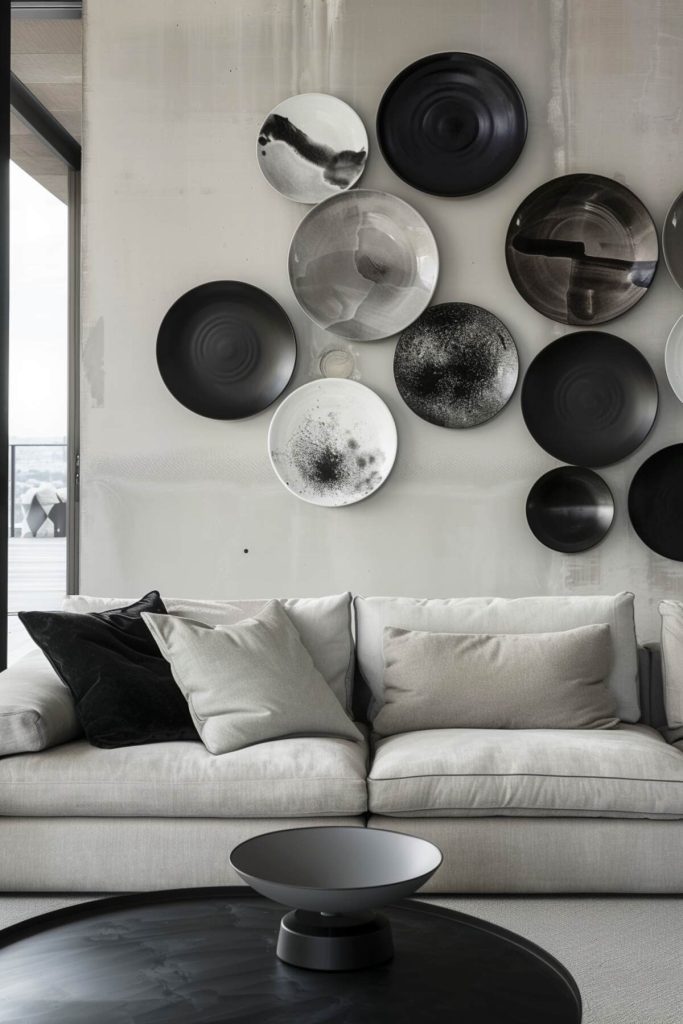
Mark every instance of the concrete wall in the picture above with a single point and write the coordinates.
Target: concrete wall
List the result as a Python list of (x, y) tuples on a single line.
[(175, 91)]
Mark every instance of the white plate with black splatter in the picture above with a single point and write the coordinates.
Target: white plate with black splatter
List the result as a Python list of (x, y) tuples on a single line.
[(332, 442), (312, 146)]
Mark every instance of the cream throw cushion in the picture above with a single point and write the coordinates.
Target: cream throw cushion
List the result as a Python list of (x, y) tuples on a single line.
[(250, 682), (503, 681), (672, 661)]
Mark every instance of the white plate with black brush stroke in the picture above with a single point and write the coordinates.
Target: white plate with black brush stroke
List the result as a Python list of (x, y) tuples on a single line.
[(312, 146), (363, 265), (457, 365), (332, 442)]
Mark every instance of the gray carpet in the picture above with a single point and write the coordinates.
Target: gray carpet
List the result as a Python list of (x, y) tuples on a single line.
[(626, 954)]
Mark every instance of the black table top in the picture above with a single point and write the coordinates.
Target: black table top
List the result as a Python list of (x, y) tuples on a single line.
[(207, 956)]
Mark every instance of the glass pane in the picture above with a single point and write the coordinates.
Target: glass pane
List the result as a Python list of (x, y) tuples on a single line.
[(38, 394)]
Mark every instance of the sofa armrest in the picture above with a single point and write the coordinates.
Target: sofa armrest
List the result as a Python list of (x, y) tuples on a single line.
[(36, 708)]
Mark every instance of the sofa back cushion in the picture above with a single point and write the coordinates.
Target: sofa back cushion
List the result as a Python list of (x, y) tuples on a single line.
[(502, 615), (672, 661), (323, 623), (496, 681)]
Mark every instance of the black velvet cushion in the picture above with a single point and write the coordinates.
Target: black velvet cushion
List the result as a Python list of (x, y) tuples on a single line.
[(123, 688)]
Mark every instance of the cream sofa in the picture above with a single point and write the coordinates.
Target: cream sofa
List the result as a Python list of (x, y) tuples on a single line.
[(513, 811)]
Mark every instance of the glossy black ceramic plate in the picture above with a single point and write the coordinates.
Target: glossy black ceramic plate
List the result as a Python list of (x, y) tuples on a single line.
[(582, 249), (457, 365), (655, 502), (589, 398), (570, 509), (672, 240), (226, 350), (451, 124)]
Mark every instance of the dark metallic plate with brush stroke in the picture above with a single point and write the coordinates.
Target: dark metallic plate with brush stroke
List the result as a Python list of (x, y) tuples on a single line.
[(226, 350), (589, 398), (570, 509), (582, 249)]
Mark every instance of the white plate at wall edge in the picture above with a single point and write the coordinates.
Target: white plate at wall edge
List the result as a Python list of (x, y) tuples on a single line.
[(332, 442), (673, 358)]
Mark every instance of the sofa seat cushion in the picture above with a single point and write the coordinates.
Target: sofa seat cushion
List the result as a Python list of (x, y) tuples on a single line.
[(627, 772), (280, 779)]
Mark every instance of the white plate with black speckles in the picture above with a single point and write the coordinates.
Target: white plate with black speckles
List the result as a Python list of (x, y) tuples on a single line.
[(312, 146), (332, 442)]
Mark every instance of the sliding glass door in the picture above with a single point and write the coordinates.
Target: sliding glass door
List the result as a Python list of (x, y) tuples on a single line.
[(42, 419)]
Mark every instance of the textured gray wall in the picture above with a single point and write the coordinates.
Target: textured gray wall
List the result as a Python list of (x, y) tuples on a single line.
[(175, 93)]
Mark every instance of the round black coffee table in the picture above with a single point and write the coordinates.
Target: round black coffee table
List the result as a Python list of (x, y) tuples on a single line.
[(207, 956)]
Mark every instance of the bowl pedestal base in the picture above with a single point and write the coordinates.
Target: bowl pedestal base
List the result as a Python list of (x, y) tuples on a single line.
[(334, 942)]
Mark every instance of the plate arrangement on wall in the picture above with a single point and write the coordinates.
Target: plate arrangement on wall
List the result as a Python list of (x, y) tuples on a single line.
[(673, 358), (589, 398), (582, 249), (655, 502), (332, 442), (456, 365), (312, 146), (363, 265), (672, 240), (226, 350), (451, 124), (570, 509)]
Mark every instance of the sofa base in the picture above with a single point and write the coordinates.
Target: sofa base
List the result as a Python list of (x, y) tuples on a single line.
[(550, 855), (128, 854), (481, 855)]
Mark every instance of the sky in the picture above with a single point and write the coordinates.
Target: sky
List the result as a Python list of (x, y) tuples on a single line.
[(38, 310)]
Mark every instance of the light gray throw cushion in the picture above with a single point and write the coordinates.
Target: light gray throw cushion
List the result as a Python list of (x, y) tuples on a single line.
[(323, 623), (502, 615), (479, 681), (36, 708), (672, 661), (250, 682)]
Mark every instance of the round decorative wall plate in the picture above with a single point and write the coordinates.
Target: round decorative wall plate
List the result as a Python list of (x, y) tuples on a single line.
[(332, 442), (312, 146), (226, 350), (363, 265), (673, 358), (655, 502), (451, 124), (589, 398), (570, 509), (457, 365), (582, 249), (672, 240)]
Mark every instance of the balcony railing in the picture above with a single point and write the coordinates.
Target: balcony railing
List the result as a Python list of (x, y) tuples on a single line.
[(37, 492)]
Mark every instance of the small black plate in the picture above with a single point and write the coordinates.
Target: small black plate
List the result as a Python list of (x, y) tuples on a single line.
[(451, 124), (582, 249), (226, 350), (570, 509), (655, 502), (589, 398)]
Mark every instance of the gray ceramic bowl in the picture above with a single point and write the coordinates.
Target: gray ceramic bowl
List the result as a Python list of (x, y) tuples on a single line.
[(336, 869)]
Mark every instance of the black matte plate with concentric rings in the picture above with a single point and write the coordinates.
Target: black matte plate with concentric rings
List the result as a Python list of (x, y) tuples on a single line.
[(226, 350), (570, 509), (451, 124), (582, 249), (655, 502), (589, 398)]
